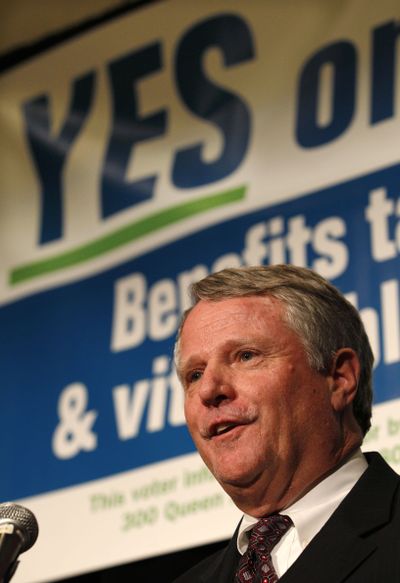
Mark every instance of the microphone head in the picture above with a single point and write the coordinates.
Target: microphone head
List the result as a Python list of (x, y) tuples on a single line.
[(23, 519)]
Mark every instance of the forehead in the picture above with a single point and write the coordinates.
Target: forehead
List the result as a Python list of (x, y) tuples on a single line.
[(210, 321)]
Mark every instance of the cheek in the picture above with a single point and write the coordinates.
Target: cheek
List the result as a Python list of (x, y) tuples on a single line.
[(278, 416), (189, 409), (186, 410)]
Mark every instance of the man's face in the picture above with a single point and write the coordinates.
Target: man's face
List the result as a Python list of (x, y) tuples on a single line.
[(260, 417)]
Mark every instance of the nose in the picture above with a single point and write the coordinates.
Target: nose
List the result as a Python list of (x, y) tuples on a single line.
[(217, 386)]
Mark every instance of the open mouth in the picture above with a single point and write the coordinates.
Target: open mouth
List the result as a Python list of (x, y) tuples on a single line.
[(223, 428), (220, 427)]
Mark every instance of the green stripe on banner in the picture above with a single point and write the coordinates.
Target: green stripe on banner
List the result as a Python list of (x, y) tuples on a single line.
[(131, 232)]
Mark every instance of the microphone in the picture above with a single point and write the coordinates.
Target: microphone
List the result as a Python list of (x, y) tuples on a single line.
[(18, 532)]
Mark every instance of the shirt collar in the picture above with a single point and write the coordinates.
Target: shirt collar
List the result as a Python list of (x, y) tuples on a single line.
[(310, 512)]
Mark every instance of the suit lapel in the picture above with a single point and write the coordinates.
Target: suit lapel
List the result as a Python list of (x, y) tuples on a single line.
[(349, 536), (330, 557)]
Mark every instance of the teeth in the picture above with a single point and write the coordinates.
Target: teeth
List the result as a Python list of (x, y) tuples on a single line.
[(222, 428)]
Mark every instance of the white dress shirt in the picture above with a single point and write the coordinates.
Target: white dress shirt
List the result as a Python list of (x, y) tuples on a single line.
[(309, 513)]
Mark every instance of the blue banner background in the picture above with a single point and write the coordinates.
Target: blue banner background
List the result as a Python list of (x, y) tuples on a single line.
[(62, 336)]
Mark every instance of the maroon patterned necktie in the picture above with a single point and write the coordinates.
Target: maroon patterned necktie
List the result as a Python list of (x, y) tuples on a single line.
[(256, 566)]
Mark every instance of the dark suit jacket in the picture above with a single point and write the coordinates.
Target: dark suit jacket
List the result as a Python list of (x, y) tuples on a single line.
[(360, 543)]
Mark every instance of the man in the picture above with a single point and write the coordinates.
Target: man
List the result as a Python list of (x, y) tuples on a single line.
[(276, 369)]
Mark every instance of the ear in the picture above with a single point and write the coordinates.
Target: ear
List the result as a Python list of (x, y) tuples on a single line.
[(345, 373)]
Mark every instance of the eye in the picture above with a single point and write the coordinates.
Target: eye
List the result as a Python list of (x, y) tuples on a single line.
[(194, 376), (246, 355)]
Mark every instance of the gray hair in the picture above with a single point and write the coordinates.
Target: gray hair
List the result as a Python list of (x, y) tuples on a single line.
[(313, 308)]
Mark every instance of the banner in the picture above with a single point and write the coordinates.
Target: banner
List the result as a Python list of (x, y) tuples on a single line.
[(136, 159)]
